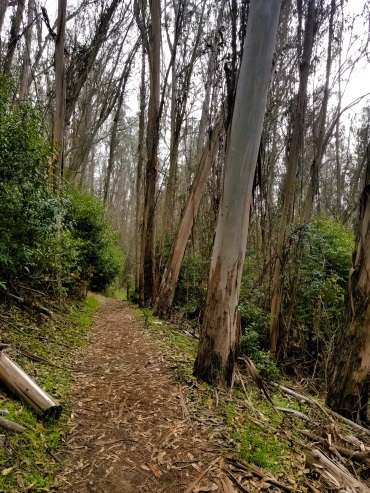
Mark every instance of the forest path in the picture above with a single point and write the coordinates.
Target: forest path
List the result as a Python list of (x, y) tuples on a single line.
[(128, 428)]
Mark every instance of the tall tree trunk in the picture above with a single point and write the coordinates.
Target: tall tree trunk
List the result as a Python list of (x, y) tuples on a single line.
[(204, 160), (13, 36), (146, 284), (60, 93), (319, 144), (289, 182), (113, 141), (3, 7), (179, 98), (164, 300), (26, 64), (219, 337), (349, 384), (140, 167)]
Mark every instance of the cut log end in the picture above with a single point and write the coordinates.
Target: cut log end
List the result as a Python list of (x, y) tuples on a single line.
[(52, 412)]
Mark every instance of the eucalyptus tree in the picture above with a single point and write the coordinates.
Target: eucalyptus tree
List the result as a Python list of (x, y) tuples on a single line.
[(113, 134), (60, 93), (83, 58), (13, 34), (349, 383), (295, 149), (185, 52), (27, 53), (151, 36), (204, 158), (219, 337)]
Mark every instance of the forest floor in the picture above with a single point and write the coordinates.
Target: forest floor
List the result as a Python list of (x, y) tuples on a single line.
[(141, 423), (129, 430)]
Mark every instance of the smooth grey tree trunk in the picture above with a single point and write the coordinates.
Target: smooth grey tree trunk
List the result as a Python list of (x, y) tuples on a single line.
[(219, 337)]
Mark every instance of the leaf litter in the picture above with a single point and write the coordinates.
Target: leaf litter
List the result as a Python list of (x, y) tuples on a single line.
[(134, 429)]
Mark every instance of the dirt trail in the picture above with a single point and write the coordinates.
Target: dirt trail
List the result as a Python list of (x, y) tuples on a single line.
[(128, 432)]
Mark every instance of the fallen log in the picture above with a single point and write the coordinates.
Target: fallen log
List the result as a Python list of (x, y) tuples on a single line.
[(21, 385), (328, 412), (356, 455), (334, 475)]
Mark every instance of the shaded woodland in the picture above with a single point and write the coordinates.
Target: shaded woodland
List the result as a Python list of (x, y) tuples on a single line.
[(213, 158)]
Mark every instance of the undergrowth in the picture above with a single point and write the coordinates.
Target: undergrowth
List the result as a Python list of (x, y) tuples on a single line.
[(244, 426), (29, 461)]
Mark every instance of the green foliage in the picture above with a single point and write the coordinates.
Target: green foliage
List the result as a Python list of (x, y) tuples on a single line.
[(68, 238), (323, 274), (94, 255), (27, 208), (255, 323), (191, 285), (255, 447)]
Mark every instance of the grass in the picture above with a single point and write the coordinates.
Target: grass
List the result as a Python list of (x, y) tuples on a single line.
[(29, 461)]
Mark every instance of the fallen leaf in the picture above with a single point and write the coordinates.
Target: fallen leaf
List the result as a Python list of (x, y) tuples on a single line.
[(155, 471), (5, 472)]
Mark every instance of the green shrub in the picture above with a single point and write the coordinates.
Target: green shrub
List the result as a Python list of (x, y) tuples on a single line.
[(191, 286), (254, 326), (97, 260), (83, 250), (325, 260), (28, 209)]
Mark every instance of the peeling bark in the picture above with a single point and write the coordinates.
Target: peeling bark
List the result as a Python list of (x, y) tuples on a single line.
[(219, 337), (349, 387)]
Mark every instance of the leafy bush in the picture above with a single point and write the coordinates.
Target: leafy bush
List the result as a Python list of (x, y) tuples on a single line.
[(325, 260), (82, 250), (98, 260), (254, 325), (324, 267), (28, 209)]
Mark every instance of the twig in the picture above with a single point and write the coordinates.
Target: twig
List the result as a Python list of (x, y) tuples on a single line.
[(326, 411), (201, 476), (294, 412), (39, 359), (185, 412), (359, 456), (54, 457), (267, 477), (238, 484), (256, 377)]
